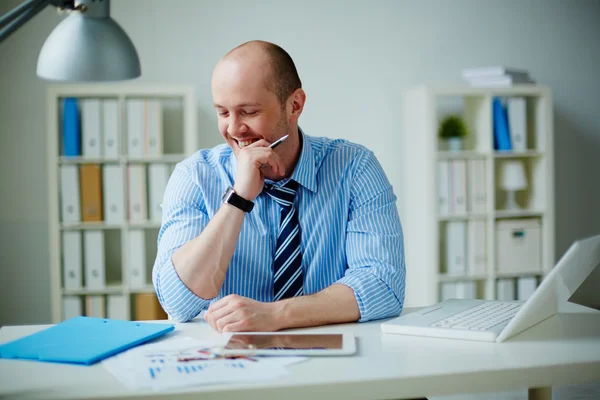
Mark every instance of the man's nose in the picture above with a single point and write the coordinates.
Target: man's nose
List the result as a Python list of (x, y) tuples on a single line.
[(236, 126)]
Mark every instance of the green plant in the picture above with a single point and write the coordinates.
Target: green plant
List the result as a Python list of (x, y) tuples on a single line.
[(452, 126)]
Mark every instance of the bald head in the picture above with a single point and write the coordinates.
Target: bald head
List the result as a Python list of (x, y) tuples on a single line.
[(274, 63)]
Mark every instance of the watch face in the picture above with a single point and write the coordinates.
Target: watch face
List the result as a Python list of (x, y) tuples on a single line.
[(227, 194)]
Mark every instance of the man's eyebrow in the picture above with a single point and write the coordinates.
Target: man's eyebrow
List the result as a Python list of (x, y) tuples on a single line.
[(238, 105)]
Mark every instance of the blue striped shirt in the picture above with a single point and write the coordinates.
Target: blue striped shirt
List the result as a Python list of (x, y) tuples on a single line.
[(350, 229)]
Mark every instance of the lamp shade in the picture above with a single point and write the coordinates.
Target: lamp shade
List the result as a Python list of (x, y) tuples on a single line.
[(88, 48), (513, 175)]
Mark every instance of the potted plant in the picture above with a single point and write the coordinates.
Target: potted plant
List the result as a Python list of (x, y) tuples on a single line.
[(453, 129)]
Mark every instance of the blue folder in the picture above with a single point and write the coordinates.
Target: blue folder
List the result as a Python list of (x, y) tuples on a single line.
[(83, 340)]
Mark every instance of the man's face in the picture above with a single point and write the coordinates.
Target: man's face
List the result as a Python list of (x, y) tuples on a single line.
[(246, 110)]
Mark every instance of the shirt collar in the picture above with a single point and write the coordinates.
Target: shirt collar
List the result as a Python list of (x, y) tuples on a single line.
[(305, 171)]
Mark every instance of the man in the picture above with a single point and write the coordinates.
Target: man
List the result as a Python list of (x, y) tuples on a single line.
[(307, 233)]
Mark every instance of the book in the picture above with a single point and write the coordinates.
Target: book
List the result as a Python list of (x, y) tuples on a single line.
[(499, 81), (478, 72)]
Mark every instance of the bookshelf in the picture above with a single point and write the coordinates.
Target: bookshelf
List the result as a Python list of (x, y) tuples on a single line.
[(104, 228), (430, 229)]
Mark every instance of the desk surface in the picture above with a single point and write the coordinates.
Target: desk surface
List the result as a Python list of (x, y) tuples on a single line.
[(563, 349)]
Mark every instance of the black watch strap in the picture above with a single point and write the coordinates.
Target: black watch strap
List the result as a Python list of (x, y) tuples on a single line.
[(231, 197)]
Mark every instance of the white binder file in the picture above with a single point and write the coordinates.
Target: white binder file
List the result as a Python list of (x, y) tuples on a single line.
[(137, 258), (444, 188), (94, 263), (72, 260), (517, 121), (91, 128), (116, 307), (138, 203), (456, 247), (72, 307), (476, 186), (477, 254), (135, 127), (69, 194), (458, 187), (112, 190), (110, 128), (505, 289), (153, 138), (526, 285), (158, 176)]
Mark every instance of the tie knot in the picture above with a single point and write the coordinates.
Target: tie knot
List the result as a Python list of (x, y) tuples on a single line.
[(283, 195)]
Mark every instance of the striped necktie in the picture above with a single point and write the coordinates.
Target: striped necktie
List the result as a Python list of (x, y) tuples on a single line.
[(287, 266)]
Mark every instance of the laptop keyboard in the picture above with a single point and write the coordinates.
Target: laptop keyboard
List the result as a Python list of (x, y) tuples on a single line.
[(481, 317)]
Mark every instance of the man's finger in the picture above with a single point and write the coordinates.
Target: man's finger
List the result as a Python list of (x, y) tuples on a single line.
[(230, 318)]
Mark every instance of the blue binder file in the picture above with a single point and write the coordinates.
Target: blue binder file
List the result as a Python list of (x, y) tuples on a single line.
[(83, 340), (71, 128), (501, 129)]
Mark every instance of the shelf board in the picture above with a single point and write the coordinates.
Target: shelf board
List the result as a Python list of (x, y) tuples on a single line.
[(145, 289), (109, 289), (460, 155), (455, 278), (143, 225), (88, 225), (518, 274), (522, 154), (518, 213), (166, 158), (462, 217), (87, 160)]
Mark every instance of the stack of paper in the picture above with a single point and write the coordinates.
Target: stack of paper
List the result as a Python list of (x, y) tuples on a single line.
[(180, 362), (496, 76)]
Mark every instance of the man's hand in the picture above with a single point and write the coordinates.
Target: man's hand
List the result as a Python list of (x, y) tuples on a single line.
[(253, 162), (235, 313)]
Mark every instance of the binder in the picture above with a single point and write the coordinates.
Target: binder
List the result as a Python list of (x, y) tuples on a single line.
[(72, 260), (505, 289), (116, 306), (517, 122), (72, 307), (458, 187), (526, 285), (135, 128), (138, 204), (477, 248), (112, 190), (148, 308), (448, 290), (110, 128), (91, 128), (83, 340), (137, 258), (158, 176), (465, 290), (456, 247), (94, 306), (444, 188), (501, 133), (153, 128), (69, 194), (94, 262), (71, 128), (91, 192), (476, 187)]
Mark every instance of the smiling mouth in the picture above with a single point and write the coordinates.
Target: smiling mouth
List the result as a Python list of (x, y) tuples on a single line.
[(243, 143)]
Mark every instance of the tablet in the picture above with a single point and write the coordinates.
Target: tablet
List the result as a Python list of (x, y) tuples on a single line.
[(290, 344)]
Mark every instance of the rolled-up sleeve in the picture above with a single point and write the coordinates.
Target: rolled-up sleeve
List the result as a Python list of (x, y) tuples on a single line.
[(374, 244), (184, 218)]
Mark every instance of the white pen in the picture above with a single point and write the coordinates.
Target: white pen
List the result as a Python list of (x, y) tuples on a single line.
[(278, 142)]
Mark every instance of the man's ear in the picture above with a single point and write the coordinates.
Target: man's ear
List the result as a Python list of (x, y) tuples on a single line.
[(296, 104)]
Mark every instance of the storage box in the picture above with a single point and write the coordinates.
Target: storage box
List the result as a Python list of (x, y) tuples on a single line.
[(518, 246)]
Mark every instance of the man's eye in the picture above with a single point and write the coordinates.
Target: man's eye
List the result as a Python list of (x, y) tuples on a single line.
[(222, 113), (249, 112)]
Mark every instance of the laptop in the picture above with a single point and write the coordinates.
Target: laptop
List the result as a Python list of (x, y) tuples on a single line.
[(575, 278)]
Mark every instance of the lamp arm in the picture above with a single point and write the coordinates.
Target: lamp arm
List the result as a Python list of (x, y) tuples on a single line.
[(18, 16)]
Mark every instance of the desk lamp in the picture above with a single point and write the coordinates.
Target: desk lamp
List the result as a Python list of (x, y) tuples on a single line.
[(88, 45), (513, 179)]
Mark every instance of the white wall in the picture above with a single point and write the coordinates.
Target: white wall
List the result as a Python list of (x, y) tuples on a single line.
[(354, 58)]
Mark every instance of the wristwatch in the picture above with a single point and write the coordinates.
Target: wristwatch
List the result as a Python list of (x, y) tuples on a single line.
[(231, 197)]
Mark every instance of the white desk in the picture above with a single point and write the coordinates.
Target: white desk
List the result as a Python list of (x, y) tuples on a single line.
[(564, 349)]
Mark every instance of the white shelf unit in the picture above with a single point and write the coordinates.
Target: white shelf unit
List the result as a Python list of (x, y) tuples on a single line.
[(421, 149), (179, 140)]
